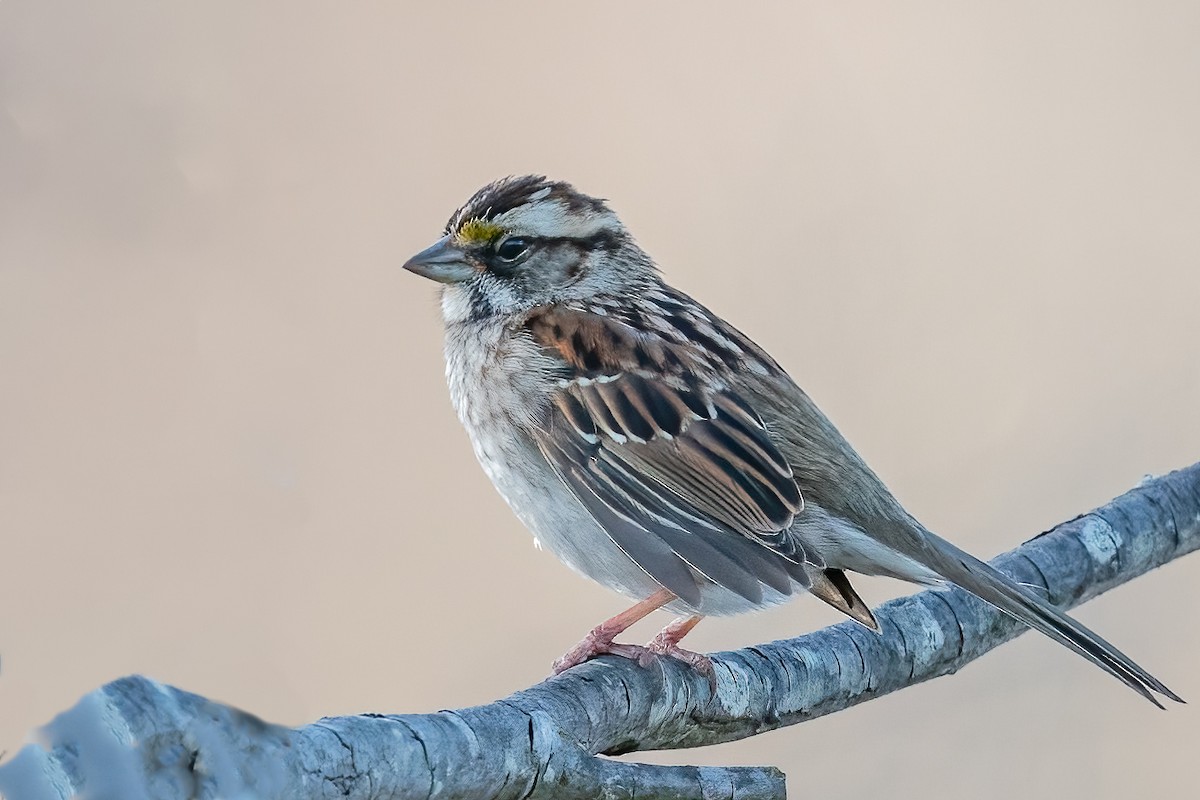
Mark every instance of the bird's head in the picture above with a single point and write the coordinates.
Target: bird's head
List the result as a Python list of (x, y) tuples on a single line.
[(523, 242)]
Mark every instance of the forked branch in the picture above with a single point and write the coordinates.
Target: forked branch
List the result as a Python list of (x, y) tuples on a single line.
[(135, 738)]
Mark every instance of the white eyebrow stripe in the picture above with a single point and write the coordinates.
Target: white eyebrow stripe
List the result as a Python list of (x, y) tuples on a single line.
[(553, 219)]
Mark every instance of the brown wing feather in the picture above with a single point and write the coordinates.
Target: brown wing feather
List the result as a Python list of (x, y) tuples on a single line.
[(641, 425)]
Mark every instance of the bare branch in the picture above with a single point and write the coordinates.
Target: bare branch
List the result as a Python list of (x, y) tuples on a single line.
[(135, 738)]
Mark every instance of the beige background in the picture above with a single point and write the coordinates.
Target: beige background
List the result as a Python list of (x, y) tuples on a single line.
[(227, 458)]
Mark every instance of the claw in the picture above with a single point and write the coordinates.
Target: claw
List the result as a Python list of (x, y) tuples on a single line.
[(666, 643), (697, 661), (597, 644)]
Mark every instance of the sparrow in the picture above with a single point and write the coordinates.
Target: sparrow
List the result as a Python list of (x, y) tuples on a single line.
[(656, 449)]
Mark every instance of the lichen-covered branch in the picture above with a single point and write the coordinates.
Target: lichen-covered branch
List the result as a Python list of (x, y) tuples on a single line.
[(135, 738)]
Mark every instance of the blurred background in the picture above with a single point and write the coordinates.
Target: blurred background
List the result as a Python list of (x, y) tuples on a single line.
[(227, 455)]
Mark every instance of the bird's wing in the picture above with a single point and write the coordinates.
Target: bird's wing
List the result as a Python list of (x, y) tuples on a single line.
[(676, 467)]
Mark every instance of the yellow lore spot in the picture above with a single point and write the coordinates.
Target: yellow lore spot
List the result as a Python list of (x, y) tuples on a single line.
[(479, 231)]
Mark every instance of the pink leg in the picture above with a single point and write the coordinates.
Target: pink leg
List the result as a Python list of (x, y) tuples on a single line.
[(667, 644), (600, 640)]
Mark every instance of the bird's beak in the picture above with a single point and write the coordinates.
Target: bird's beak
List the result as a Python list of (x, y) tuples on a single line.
[(443, 261)]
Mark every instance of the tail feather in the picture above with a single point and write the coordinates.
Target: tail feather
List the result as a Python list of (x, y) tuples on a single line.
[(992, 586), (832, 586)]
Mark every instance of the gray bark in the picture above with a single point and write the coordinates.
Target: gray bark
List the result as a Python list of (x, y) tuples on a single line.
[(135, 738)]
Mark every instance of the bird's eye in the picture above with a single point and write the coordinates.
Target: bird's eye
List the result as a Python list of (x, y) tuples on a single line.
[(512, 248)]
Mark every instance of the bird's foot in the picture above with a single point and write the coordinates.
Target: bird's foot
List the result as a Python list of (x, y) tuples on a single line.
[(597, 643), (697, 661), (600, 640), (666, 643)]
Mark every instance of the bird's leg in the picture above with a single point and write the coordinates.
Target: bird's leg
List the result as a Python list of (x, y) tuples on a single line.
[(600, 640), (667, 644)]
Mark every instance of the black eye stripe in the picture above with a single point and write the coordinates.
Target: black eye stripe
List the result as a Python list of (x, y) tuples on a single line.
[(505, 254)]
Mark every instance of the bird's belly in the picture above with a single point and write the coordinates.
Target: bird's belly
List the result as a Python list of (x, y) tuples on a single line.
[(557, 520), (561, 525)]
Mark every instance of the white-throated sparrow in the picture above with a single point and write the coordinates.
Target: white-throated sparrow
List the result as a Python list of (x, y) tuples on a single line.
[(654, 448)]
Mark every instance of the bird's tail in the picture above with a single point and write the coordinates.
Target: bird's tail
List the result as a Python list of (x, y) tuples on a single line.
[(989, 584)]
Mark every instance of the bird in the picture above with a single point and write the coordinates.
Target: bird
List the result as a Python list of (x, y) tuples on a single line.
[(656, 449)]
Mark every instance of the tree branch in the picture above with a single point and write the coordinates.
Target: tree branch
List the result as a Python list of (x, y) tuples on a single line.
[(135, 738)]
